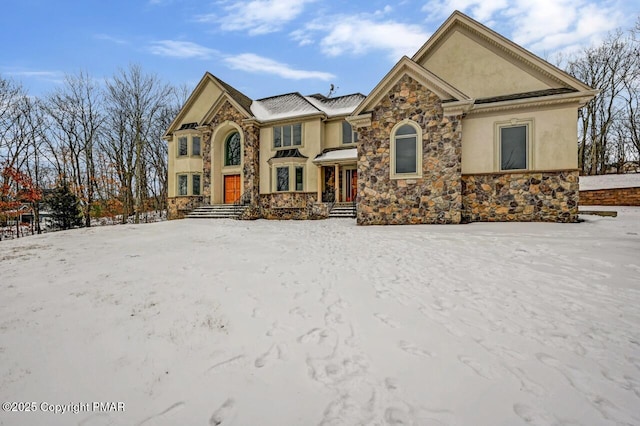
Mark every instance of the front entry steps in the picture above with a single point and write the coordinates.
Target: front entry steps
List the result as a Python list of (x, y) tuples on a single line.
[(217, 211), (347, 210)]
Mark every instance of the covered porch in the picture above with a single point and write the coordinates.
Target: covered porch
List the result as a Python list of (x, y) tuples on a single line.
[(337, 176)]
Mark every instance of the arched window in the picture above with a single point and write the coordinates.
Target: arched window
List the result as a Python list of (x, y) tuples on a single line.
[(406, 151), (232, 150)]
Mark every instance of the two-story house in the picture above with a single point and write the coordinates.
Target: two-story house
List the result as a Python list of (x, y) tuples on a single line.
[(472, 128)]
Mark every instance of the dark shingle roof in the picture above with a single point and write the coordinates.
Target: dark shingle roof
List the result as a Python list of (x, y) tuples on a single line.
[(525, 95), (236, 95), (288, 153), (188, 126)]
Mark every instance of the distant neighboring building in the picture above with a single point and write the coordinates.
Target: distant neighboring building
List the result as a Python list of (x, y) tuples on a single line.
[(610, 190), (472, 128)]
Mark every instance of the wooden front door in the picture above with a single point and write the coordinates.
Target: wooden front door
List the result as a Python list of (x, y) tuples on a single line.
[(231, 188), (352, 185)]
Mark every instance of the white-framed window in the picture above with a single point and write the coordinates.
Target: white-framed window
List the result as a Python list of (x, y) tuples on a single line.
[(185, 148), (195, 146), (513, 139), (406, 150), (288, 177), (282, 179), (348, 134), (189, 184), (287, 136), (299, 178), (196, 184), (183, 185), (232, 150)]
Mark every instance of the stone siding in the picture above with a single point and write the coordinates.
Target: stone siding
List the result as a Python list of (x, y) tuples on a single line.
[(206, 165), (178, 207), (251, 154), (522, 197), (611, 197), (292, 205), (436, 197)]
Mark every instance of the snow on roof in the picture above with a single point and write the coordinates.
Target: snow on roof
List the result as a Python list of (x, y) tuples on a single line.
[(293, 105), (338, 155), (282, 106), (341, 105), (628, 180)]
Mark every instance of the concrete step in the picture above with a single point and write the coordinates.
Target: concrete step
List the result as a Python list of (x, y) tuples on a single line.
[(216, 211), (343, 210)]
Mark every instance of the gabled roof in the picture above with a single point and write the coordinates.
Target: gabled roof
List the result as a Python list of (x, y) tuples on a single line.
[(237, 98), (459, 19), (293, 105), (243, 100), (282, 107), (406, 66), (340, 105)]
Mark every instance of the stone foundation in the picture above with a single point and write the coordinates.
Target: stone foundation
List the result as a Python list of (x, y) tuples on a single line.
[(611, 197), (521, 197), (436, 197), (292, 205), (178, 207)]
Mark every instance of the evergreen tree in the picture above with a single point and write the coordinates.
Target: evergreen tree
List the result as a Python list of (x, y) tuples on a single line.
[(65, 206)]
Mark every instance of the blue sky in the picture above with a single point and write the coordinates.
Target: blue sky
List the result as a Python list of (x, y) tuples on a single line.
[(269, 47)]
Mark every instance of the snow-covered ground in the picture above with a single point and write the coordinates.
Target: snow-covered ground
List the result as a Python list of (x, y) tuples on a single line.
[(222, 322), (627, 180)]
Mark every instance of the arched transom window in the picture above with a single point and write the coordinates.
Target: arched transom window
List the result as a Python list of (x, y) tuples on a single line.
[(232, 150), (406, 151)]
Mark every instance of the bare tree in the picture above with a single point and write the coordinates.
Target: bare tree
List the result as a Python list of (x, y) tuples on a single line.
[(611, 67), (136, 105), (11, 145), (75, 109)]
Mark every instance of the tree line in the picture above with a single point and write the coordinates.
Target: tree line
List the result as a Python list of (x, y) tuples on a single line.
[(101, 140), (609, 125)]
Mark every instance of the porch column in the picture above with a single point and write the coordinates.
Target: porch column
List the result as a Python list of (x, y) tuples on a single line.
[(319, 200), (337, 183)]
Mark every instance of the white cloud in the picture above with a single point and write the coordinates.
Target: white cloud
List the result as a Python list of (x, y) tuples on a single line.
[(112, 39), (360, 34), (560, 24), (40, 74), (256, 16), (541, 25), (252, 63), (182, 49), (481, 10)]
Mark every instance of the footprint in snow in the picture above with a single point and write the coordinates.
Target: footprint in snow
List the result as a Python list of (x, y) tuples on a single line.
[(315, 335), (231, 362), (477, 367), (548, 360), (281, 350), (412, 349), (167, 411), (225, 412), (386, 320), (533, 416)]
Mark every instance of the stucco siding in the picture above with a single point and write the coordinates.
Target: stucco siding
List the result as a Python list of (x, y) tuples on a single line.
[(178, 166), (553, 144), (202, 104), (479, 69)]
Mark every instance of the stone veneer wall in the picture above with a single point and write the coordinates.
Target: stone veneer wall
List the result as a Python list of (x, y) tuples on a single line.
[(611, 197), (434, 198), (177, 207), (292, 205), (250, 161), (523, 197)]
